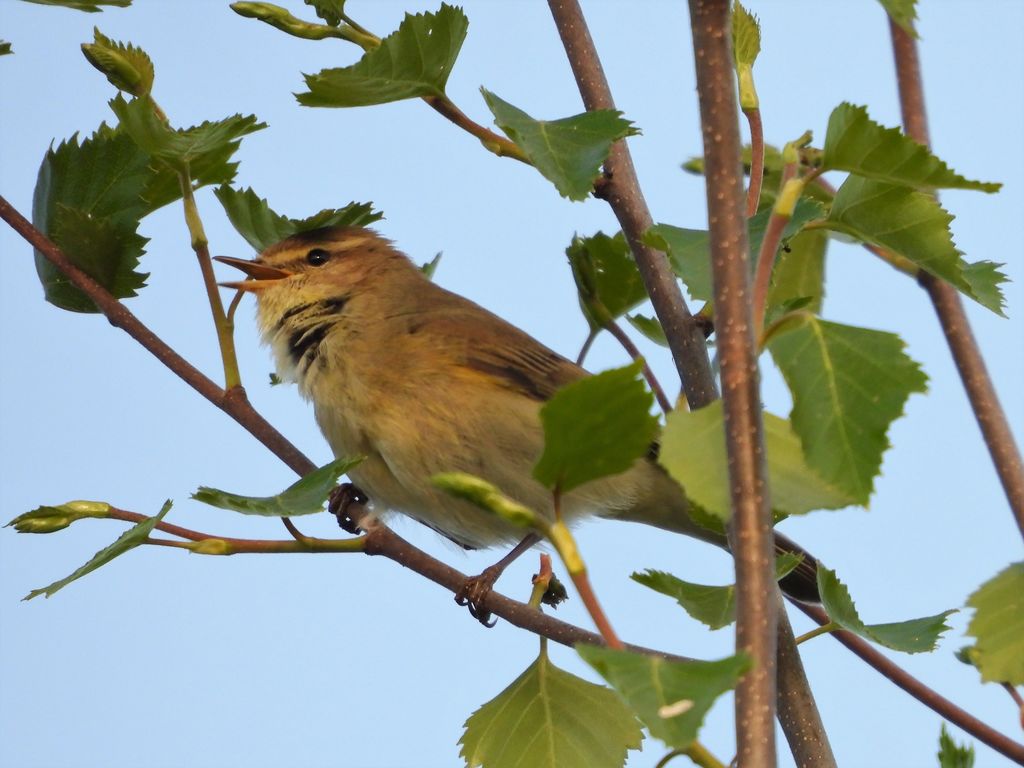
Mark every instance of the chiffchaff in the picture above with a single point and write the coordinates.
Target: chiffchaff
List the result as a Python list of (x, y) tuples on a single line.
[(422, 381)]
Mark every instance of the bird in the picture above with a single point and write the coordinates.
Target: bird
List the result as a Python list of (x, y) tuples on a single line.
[(421, 381)]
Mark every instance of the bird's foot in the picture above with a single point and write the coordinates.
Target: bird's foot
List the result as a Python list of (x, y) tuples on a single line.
[(348, 504), (475, 591)]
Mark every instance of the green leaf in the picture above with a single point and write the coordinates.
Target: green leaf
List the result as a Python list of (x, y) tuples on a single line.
[(649, 327), (5, 48), (848, 385), (104, 249), (711, 605), (670, 697), (49, 519), (595, 427), (913, 636), (903, 12), (856, 143), (305, 497), (693, 451), (414, 61), (87, 200), (82, 5), (261, 227), (127, 67), (568, 152), (746, 36), (182, 147), (429, 268), (952, 755), (799, 273), (607, 279), (130, 539), (689, 254), (998, 625), (331, 11), (689, 250), (548, 718), (913, 225), (488, 497)]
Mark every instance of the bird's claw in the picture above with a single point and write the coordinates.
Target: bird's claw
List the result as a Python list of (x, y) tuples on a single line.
[(475, 591), (347, 503)]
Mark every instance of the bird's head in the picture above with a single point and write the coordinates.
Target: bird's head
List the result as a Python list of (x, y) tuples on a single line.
[(316, 265)]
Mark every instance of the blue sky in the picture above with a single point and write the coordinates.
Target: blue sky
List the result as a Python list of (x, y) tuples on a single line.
[(164, 659)]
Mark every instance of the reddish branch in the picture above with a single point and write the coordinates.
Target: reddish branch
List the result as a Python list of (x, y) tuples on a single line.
[(930, 698), (751, 526), (948, 306)]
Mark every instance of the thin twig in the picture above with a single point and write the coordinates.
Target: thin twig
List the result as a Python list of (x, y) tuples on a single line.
[(493, 142), (621, 188), (798, 714), (948, 306), (751, 526), (234, 546), (587, 343), (927, 696), (627, 344), (200, 246)]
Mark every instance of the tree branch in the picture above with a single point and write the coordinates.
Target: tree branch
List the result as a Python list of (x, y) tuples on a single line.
[(621, 189), (948, 306), (750, 532), (798, 714), (927, 696)]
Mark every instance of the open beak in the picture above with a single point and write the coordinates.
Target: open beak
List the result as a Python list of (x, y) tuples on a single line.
[(260, 275)]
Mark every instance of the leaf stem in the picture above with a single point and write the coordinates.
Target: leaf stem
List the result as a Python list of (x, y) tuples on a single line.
[(753, 116), (700, 755), (964, 347), (587, 343), (822, 630), (491, 141)]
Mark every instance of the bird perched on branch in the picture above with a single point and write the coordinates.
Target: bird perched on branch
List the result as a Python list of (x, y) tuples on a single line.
[(422, 381)]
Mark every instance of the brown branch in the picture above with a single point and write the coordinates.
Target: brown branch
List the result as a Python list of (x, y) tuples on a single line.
[(750, 531), (798, 714), (927, 696), (969, 363), (499, 145), (621, 189)]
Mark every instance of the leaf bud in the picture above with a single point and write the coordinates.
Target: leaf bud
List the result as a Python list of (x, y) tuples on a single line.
[(211, 547)]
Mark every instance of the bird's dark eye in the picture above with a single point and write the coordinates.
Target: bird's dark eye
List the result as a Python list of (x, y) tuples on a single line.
[(317, 257)]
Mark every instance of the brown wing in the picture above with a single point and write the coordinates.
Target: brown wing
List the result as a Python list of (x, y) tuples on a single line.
[(480, 341)]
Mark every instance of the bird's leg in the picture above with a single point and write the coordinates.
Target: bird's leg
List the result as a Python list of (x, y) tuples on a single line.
[(348, 504), (476, 588)]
